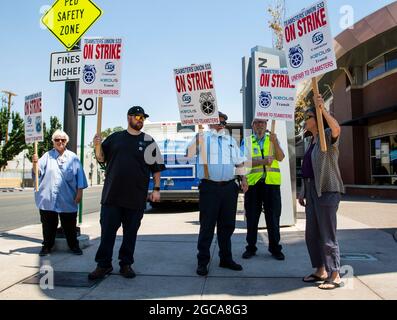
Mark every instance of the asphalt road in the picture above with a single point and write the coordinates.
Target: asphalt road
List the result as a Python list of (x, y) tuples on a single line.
[(17, 209)]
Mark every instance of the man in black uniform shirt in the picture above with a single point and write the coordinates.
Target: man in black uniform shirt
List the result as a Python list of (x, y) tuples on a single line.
[(130, 156)]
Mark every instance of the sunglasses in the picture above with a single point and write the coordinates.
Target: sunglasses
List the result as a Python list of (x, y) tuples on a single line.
[(309, 117), (223, 123), (139, 118), (60, 140)]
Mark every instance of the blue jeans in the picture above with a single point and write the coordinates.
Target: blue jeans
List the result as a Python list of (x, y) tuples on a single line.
[(112, 217)]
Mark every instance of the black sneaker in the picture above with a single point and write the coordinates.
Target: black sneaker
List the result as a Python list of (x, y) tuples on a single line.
[(248, 254), (77, 251), (99, 273), (231, 265), (202, 270), (44, 252), (127, 272), (278, 256)]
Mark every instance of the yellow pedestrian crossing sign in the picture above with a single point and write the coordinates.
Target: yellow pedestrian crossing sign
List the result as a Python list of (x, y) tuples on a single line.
[(68, 20)]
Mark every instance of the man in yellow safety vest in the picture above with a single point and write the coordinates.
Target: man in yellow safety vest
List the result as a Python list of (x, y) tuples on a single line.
[(264, 180)]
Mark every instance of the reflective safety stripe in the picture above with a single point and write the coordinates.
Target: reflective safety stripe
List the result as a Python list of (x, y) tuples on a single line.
[(267, 170), (273, 170), (272, 173), (259, 158)]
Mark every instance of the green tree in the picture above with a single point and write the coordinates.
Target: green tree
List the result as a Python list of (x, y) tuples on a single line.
[(47, 144), (301, 105), (4, 120), (104, 134), (16, 142)]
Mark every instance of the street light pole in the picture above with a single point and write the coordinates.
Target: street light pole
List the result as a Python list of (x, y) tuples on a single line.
[(23, 170), (82, 162), (10, 95)]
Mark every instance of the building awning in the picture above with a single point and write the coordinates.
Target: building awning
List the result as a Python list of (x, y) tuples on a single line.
[(363, 120)]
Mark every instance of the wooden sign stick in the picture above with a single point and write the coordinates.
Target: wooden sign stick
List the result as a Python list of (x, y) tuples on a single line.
[(273, 130), (36, 169), (271, 146), (203, 154), (99, 124), (319, 114)]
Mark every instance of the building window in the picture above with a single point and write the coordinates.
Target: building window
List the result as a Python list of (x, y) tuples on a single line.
[(376, 68), (382, 64), (384, 160), (391, 60)]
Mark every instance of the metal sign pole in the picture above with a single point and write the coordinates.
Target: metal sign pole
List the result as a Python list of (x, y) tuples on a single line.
[(82, 162)]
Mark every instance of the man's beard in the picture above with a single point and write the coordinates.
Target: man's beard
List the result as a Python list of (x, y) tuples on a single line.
[(137, 126)]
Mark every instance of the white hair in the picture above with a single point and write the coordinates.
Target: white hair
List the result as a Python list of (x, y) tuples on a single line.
[(60, 134)]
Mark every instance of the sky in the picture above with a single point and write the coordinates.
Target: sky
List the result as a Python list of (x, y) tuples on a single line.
[(158, 36)]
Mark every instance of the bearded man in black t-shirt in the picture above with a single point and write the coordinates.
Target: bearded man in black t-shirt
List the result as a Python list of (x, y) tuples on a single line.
[(130, 157)]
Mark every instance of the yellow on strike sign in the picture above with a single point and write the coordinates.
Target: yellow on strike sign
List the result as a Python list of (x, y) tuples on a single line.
[(68, 20)]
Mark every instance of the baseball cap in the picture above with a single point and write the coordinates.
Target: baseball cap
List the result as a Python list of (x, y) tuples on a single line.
[(137, 110), (259, 119), (221, 114)]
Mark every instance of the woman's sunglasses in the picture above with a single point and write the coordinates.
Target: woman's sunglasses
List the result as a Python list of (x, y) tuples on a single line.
[(309, 117), (223, 123), (60, 140)]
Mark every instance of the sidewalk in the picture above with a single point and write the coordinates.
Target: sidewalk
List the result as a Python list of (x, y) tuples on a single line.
[(166, 263)]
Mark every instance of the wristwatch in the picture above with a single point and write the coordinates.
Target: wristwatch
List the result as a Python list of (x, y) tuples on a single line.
[(156, 189)]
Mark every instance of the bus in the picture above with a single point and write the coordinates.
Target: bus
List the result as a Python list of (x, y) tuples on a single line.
[(179, 182)]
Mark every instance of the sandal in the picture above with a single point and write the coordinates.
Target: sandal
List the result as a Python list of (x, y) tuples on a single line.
[(334, 284), (314, 278)]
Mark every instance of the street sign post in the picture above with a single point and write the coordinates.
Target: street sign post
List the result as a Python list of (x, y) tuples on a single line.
[(68, 20), (82, 163), (88, 106)]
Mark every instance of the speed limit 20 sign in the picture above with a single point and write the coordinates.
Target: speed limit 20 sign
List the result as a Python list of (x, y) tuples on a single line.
[(88, 106)]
